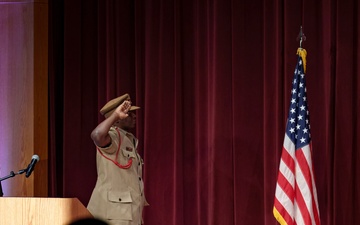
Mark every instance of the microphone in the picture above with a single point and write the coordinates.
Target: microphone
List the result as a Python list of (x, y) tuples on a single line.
[(31, 166)]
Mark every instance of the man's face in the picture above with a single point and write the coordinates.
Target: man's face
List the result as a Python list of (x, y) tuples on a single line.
[(129, 122)]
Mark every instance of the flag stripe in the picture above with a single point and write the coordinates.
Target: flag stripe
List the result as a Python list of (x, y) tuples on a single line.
[(286, 187), (287, 205), (288, 158), (284, 216), (302, 205), (303, 158), (315, 203), (297, 215)]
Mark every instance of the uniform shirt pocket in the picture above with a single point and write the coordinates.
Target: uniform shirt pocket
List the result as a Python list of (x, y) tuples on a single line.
[(119, 205)]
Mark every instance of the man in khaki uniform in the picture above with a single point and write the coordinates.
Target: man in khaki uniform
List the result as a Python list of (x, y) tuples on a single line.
[(118, 196)]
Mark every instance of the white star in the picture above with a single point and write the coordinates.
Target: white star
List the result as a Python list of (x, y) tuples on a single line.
[(305, 130), (302, 108), (300, 117), (302, 140), (292, 130)]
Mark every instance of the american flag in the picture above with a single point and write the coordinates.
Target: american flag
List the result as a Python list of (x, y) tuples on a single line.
[(295, 196)]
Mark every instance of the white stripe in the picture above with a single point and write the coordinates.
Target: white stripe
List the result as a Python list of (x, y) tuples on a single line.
[(283, 168), (284, 200), (301, 182), (315, 196), (297, 214), (287, 173), (308, 154), (306, 151), (302, 185), (313, 180), (280, 195), (289, 146)]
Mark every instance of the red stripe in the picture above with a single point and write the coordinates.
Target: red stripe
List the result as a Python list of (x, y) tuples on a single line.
[(286, 216), (304, 167), (314, 202), (286, 186), (302, 206), (305, 170), (315, 211), (288, 160)]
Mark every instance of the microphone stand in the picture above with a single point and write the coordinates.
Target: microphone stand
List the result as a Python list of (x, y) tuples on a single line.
[(12, 174)]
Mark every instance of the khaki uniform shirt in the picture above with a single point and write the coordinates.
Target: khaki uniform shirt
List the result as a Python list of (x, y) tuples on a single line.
[(118, 196)]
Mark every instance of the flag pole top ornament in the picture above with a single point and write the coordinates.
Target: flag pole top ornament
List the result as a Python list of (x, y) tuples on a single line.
[(302, 52), (301, 37)]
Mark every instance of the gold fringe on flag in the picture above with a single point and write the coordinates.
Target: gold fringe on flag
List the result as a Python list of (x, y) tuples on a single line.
[(302, 53), (279, 217)]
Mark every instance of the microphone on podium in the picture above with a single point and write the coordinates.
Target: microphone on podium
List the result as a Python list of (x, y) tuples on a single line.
[(31, 166)]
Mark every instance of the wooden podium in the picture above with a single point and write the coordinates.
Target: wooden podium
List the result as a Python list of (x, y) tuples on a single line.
[(41, 211)]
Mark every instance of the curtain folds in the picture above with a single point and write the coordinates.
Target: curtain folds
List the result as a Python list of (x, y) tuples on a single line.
[(213, 81)]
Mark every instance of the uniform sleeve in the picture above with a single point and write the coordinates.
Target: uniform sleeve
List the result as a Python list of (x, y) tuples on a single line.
[(112, 148)]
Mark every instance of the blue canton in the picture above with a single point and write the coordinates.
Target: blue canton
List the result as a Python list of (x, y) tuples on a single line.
[(298, 126)]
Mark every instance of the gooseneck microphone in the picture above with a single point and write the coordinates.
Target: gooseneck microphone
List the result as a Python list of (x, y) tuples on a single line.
[(31, 166)]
